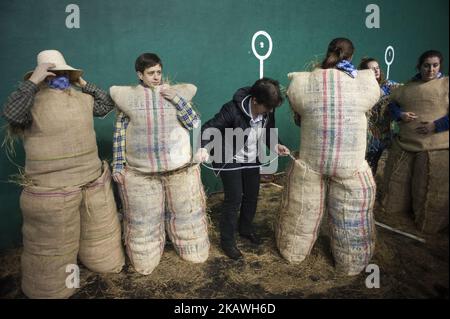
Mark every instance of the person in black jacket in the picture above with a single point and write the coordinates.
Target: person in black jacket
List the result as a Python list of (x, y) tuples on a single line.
[(238, 130)]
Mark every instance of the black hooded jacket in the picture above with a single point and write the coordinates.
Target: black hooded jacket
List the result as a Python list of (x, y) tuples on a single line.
[(233, 116)]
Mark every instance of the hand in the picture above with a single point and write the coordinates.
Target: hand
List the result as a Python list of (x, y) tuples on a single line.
[(408, 116), (41, 72), (118, 178), (80, 82), (201, 155), (426, 128), (282, 150), (167, 92)]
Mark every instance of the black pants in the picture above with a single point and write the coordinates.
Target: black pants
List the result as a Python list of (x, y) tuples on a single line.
[(373, 155), (241, 188)]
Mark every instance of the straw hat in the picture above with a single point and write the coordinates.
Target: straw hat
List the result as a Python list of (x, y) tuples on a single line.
[(54, 56)]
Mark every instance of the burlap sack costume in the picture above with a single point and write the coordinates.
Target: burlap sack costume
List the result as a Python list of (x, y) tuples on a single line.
[(160, 187), (69, 208), (331, 172), (416, 172), (60, 146)]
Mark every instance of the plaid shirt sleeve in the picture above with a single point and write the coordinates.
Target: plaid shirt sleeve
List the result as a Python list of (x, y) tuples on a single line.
[(103, 104), (17, 108), (185, 113), (118, 163), (442, 124)]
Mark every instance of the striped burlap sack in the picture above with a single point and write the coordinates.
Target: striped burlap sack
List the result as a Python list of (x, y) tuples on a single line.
[(349, 201), (333, 107), (143, 222), (60, 146), (397, 180), (101, 242), (351, 222), (430, 190), (186, 221), (301, 211), (156, 141), (51, 234), (174, 201)]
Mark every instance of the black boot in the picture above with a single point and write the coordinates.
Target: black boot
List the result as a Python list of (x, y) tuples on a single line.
[(232, 251), (253, 238)]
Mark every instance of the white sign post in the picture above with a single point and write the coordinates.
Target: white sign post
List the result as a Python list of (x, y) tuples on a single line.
[(389, 59), (261, 58)]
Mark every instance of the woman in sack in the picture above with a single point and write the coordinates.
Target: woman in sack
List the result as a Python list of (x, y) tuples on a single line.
[(331, 173), (380, 131), (416, 173)]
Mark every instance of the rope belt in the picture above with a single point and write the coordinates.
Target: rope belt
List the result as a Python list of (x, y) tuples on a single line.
[(243, 167)]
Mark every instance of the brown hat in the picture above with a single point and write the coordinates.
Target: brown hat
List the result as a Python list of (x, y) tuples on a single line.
[(55, 57)]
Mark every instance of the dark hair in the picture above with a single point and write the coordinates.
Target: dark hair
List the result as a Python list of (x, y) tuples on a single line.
[(429, 54), (146, 60), (339, 49), (364, 65), (267, 92)]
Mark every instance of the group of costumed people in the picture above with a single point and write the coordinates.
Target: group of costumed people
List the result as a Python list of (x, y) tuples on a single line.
[(67, 202)]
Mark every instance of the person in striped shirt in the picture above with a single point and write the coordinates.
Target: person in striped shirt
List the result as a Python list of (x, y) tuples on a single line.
[(161, 190), (149, 77)]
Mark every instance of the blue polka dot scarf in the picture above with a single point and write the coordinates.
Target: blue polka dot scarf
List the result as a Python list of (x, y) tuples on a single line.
[(60, 82), (347, 67)]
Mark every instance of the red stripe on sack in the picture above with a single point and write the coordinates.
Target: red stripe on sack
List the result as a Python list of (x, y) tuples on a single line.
[(372, 184), (339, 126), (324, 120), (165, 151), (149, 128)]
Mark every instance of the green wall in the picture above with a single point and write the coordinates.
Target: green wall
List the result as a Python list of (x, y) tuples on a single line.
[(204, 42)]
